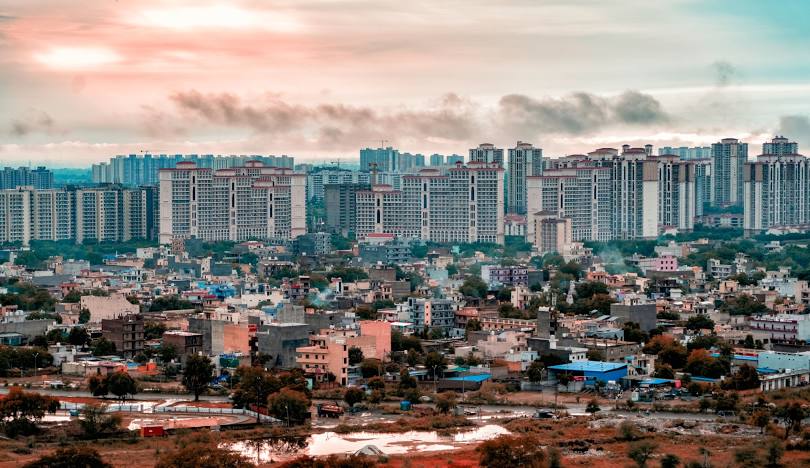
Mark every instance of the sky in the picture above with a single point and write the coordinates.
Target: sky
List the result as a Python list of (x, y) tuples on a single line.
[(81, 81)]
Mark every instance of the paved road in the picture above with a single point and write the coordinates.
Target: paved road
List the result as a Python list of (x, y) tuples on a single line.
[(137, 396), (486, 411)]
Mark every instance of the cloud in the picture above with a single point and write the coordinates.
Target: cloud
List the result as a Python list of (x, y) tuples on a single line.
[(796, 127), (32, 121), (725, 73), (333, 125), (578, 113)]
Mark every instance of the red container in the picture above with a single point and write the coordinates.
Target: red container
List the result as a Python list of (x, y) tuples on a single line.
[(152, 431)]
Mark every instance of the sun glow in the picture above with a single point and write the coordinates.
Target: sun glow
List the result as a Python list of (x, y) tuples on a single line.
[(77, 57), (217, 16)]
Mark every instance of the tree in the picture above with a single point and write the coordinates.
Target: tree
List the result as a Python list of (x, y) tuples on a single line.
[(773, 452), (406, 382), (197, 374), (98, 385), (72, 297), (121, 384), (29, 406), (435, 362), (353, 395), (96, 422), (78, 336), (670, 461), (593, 406), (508, 451), (289, 405), (167, 353), (535, 371), (445, 402), (564, 379), (474, 286), (370, 368), (792, 413), (103, 347), (84, 316), (664, 371), (760, 418), (743, 304), (172, 302), (55, 336), (153, 330), (700, 322), (640, 452), (594, 355), (746, 457), (472, 325), (204, 454), (71, 457), (588, 289), (745, 378), (355, 355), (632, 332), (254, 386)]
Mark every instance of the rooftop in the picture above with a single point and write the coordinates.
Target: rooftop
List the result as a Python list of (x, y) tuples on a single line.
[(588, 366)]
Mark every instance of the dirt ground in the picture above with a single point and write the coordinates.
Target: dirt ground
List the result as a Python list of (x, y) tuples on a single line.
[(581, 442)]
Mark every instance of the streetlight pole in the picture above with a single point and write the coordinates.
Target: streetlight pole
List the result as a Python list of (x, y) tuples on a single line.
[(36, 356), (258, 415)]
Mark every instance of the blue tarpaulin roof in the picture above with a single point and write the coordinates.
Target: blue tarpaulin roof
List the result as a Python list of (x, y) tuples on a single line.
[(473, 377), (588, 366), (656, 381)]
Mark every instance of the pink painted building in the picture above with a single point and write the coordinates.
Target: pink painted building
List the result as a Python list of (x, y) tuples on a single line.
[(381, 331)]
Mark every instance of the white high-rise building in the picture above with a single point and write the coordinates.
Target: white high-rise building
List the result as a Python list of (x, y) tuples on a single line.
[(703, 185), (779, 146), (676, 193), (579, 191), (102, 214), (488, 153), (465, 204), (686, 152), (777, 192), (236, 204), (524, 161), (728, 158), (634, 191)]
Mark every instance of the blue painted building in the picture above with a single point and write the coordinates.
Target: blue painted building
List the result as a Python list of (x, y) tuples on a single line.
[(591, 370)]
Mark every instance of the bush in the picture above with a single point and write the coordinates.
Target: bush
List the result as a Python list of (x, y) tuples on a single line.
[(71, 457), (628, 431), (509, 451)]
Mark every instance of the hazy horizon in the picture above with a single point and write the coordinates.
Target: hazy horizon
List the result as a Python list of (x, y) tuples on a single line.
[(318, 80)]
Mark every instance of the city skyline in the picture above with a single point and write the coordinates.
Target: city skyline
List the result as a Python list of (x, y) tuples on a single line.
[(320, 80)]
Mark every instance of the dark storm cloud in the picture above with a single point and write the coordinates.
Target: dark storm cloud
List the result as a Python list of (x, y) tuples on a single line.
[(452, 117), (578, 113), (796, 127)]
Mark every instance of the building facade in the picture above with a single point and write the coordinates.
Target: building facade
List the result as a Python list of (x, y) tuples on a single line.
[(39, 178), (488, 153), (580, 192), (137, 170), (676, 193), (776, 192), (236, 204), (109, 213), (463, 205), (524, 161), (728, 158), (381, 159), (780, 146)]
